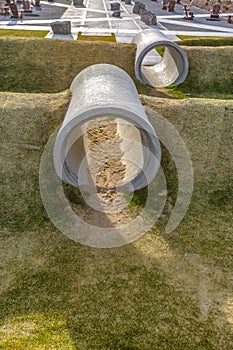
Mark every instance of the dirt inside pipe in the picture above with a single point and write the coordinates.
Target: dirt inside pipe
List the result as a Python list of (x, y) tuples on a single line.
[(107, 207)]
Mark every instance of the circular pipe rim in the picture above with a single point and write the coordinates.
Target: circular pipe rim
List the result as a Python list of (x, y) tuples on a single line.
[(138, 62), (79, 119)]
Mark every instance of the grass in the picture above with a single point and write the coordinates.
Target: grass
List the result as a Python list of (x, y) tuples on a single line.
[(11, 33), (175, 92), (105, 38), (216, 83), (164, 291), (185, 91), (53, 64), (43, 330), (204, 41), (212, 84), (160, 50)]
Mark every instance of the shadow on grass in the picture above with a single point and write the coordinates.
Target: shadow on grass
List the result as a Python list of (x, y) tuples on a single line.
[(109, 299)]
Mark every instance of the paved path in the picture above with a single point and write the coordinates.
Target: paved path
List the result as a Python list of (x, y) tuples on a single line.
[(95, 17)]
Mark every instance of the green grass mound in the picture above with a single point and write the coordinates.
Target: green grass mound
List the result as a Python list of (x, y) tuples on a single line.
[(105, 38), (53, 64), (11, 33), (210, 72), (204, 41)]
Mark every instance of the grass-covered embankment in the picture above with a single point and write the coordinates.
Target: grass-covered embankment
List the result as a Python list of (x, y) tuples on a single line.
[(52, 64), (210, 72), (162, 292)]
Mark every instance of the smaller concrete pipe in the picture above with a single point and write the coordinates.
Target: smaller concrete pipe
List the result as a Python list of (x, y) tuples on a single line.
[(153, 69), (106, 91)]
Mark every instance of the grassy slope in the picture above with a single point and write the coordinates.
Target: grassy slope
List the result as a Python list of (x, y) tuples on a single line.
[(162, 292), (210, 73), (53, 64)]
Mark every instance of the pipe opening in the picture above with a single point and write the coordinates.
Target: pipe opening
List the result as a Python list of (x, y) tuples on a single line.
[(106, 135), (106, 152), (159, 61), (153, 56), (161, 66)]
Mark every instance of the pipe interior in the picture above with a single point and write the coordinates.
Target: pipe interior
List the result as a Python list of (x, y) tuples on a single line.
[(161, 66), (108, 153)]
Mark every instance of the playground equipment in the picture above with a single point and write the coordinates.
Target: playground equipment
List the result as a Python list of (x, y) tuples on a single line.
[(158, 70), (106, 91)]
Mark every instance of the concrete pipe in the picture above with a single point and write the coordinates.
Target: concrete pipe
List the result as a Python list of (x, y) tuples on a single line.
[(104, 91), (151, 68)]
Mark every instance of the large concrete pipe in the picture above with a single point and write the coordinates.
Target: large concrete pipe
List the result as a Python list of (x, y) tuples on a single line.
[(104, 91), (154, 69)]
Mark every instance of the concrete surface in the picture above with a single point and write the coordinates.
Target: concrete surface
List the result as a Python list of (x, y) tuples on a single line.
[(95, 17), (106, 91)]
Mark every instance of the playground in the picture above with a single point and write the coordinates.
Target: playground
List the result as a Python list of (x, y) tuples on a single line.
[(165, 290)]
